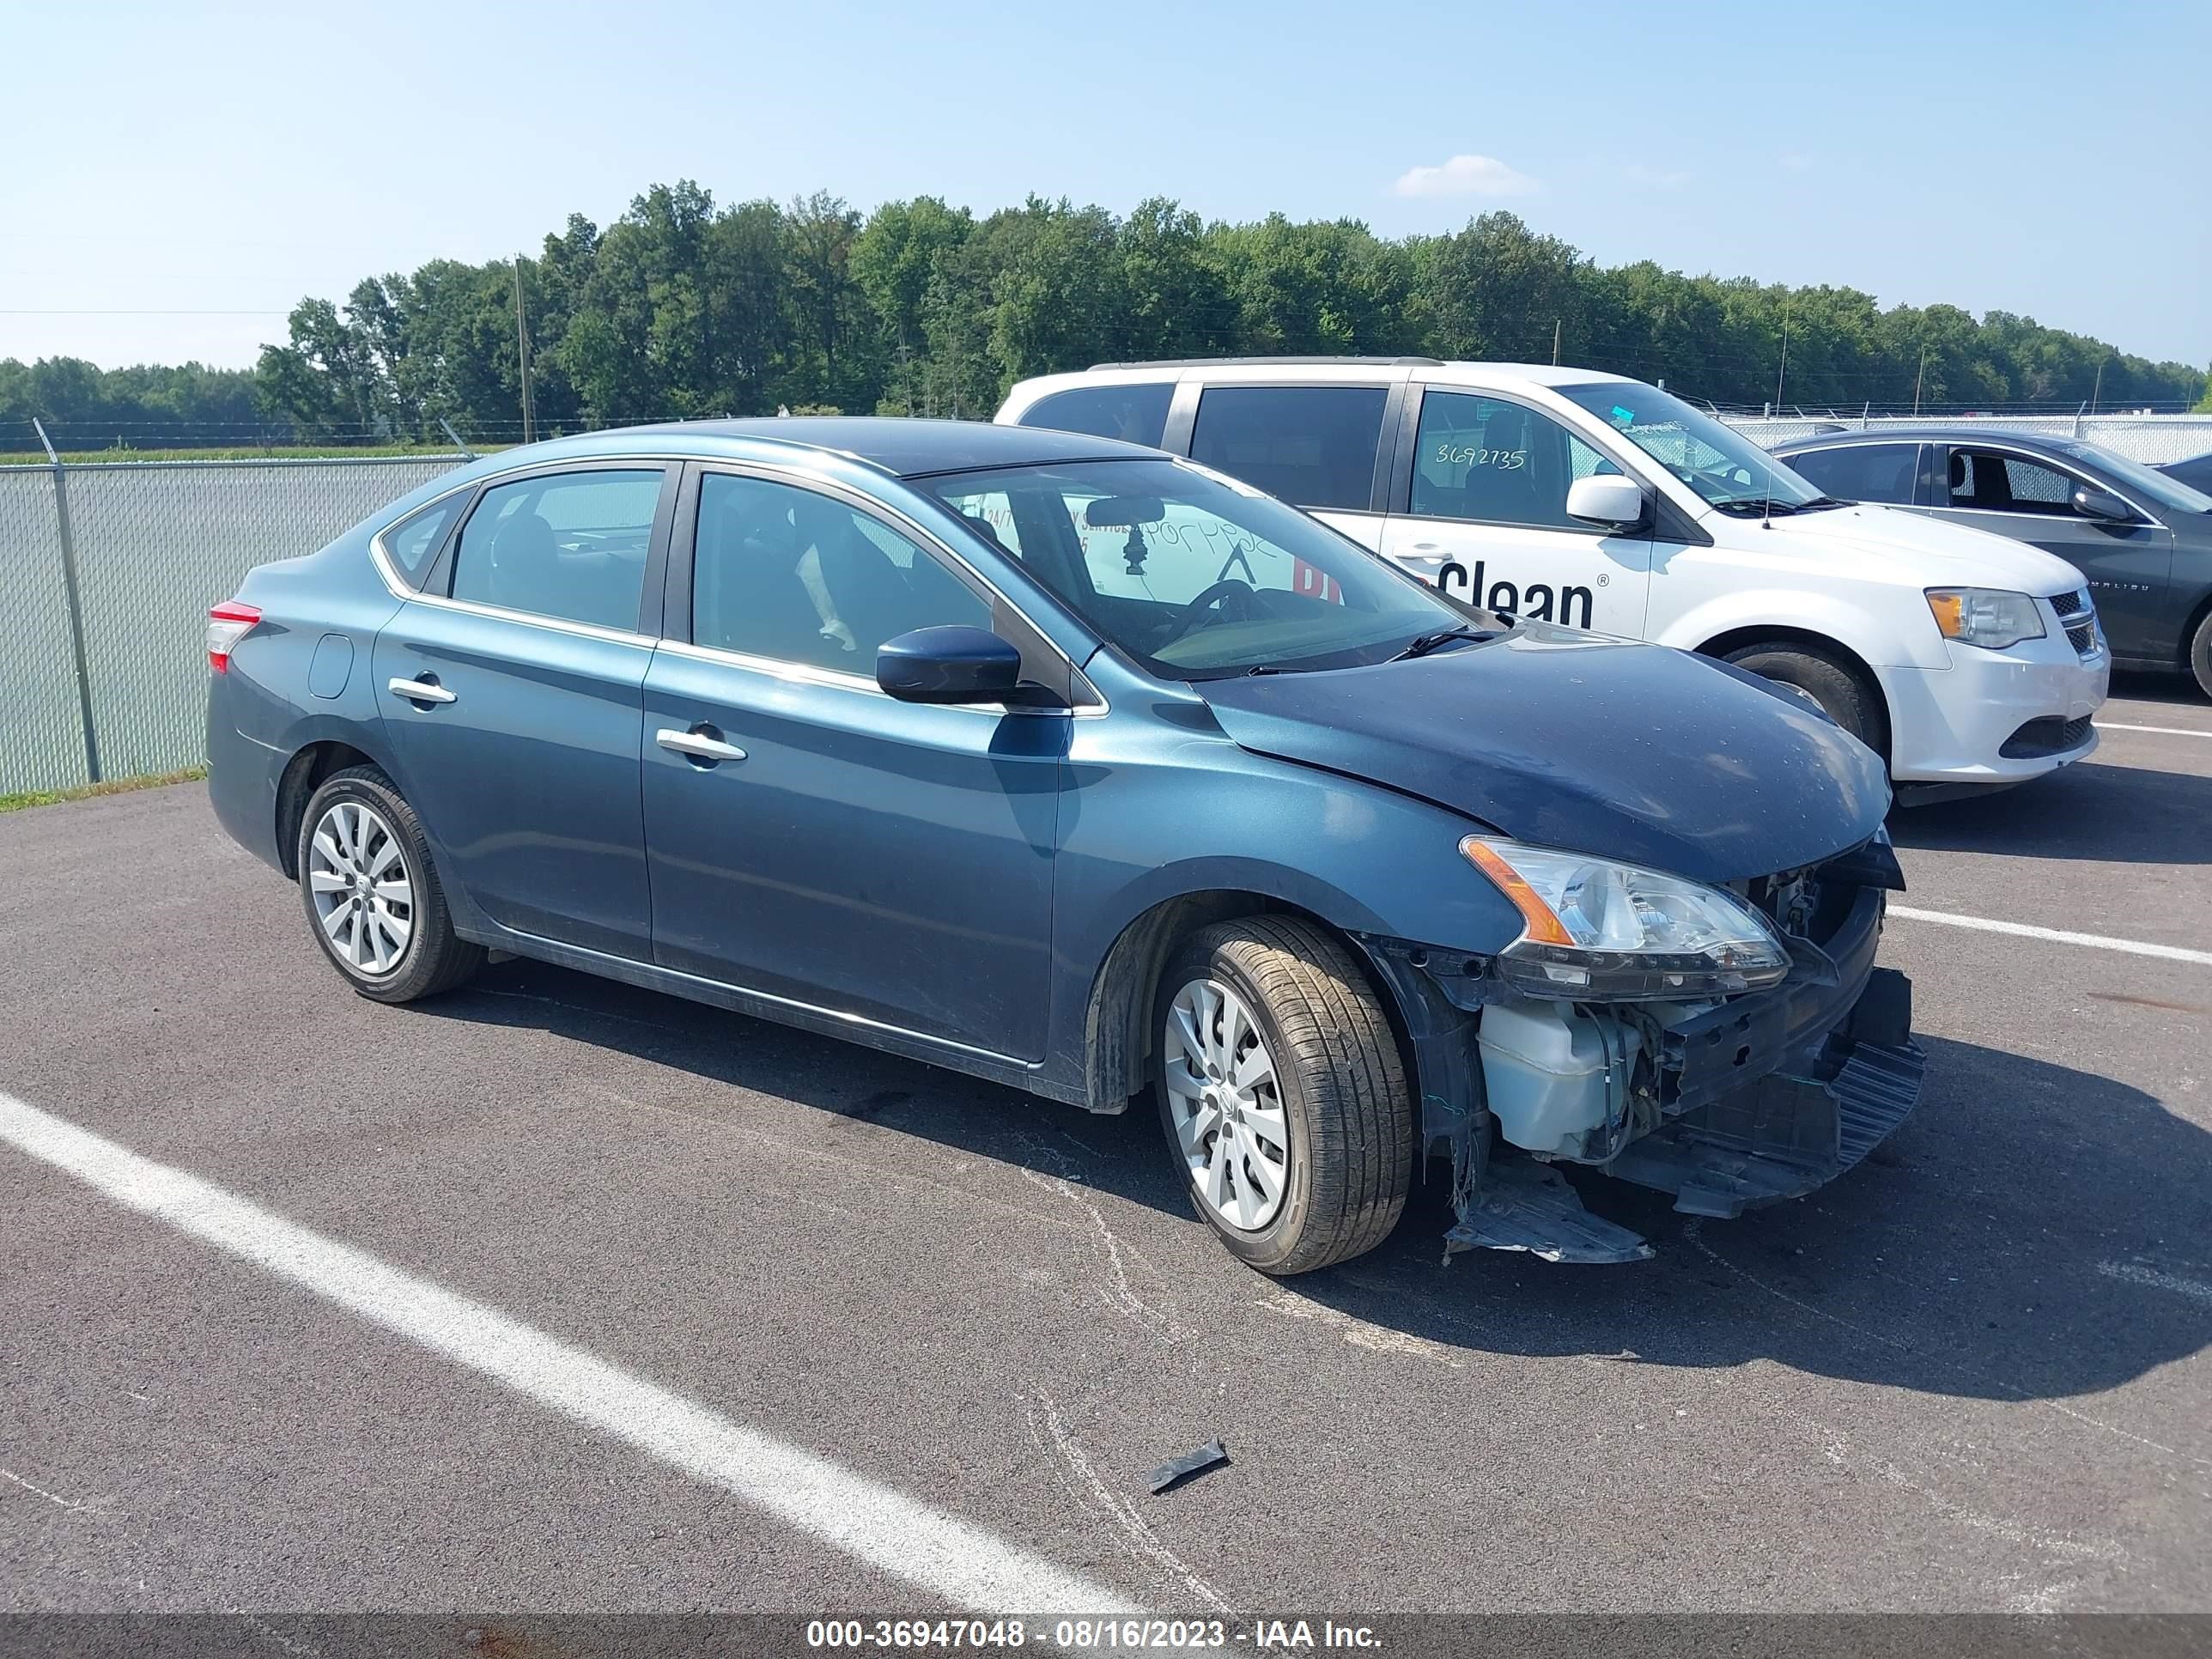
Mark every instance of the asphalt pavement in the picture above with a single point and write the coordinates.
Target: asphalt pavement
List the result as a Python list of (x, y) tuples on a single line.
[(1971, 1376)]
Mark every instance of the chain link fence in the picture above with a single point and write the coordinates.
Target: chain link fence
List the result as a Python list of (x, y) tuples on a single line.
[(112, 567), (2154, 439)]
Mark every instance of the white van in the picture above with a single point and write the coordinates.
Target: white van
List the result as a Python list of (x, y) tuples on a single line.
[(1577, 497)]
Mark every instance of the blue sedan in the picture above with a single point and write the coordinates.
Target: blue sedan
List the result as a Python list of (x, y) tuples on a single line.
[(1082, 768)]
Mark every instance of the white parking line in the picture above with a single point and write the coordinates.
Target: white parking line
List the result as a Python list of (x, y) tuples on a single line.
[(869, 1522), (2134, 1274), (2057, 936), (2169, 731)]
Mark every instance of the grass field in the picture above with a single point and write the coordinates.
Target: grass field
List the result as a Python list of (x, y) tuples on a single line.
[(112, 787)]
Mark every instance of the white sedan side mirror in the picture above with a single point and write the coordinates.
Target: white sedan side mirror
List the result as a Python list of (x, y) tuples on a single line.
[(1606, 498)]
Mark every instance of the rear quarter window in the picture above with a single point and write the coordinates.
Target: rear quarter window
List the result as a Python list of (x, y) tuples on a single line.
[(1136, 414), (412, 543)]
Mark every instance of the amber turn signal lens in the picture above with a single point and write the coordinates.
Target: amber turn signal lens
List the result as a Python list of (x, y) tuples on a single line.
[(1544, 927)]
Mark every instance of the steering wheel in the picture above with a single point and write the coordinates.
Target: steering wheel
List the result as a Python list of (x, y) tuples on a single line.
[(1194, 613)]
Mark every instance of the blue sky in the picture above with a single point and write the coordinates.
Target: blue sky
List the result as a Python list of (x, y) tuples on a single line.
[(2051, 159)]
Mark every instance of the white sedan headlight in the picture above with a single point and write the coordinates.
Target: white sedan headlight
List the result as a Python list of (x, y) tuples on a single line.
[(1598, 931), (1991, 617)]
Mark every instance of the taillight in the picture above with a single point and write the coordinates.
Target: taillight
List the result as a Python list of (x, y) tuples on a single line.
[(228, 623)]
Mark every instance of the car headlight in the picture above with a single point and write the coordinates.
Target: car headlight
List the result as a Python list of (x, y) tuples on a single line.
[(1991, 617), (1598, 931)]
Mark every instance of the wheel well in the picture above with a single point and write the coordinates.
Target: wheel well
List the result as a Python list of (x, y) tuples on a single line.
[(303, 775), (1736, 639), (1117, 1033)]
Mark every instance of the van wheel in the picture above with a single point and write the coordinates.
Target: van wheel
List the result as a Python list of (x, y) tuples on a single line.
[(1842, 691), (1283, 1093), (373, 897), (2200, 654)]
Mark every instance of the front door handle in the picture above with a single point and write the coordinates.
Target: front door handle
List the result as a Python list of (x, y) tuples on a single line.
[(420, 691), (698, 745)]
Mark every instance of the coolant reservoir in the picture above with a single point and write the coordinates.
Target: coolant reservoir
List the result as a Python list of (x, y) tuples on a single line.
[(1548, 1072)]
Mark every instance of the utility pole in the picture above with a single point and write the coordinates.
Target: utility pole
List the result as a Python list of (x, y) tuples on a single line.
[(522, 356), (2097, 386), (1783, 368), (1555, 342), (1916, 379)]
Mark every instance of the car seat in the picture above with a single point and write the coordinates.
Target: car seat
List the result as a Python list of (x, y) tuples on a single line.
[(524, 556), (747, 593)]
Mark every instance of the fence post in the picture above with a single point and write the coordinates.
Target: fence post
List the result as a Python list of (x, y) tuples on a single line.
[(75, 604)]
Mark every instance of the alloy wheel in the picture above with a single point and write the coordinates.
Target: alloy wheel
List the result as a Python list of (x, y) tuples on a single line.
[(363, 889), (1226, 1105)]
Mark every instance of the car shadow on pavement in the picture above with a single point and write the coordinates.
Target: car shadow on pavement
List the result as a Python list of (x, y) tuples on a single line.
[(2106, 814), (2178, 691), (2031, 1232)]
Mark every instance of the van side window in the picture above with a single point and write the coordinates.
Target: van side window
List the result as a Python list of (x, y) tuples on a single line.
[(1888, 473), (566, 544), (1498, 462), (1989, 481), (1312, 446), (1136, 414), (782, 572)]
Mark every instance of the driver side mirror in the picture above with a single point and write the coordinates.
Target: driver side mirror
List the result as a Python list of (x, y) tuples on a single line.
[(1607, 499), (949, 665), (2092, 502)]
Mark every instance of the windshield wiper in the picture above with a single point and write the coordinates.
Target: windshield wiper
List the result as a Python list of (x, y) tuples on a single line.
[(1421, 645)]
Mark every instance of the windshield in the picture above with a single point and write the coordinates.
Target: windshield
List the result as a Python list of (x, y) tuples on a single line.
[(1718, 462), (2165, 489), (1193, 574)]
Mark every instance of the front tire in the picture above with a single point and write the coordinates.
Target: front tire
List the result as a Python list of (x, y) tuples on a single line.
[(2200, 654), (373, 897), (1283, 1094), (1844, 693)]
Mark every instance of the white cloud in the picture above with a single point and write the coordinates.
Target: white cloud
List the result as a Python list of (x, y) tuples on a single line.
[(1465, 176), (1793, 161), (1659, 179)]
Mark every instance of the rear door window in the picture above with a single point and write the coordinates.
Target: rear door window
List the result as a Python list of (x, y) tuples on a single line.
[(1136, 414), (569, 545), (1888, 473), (1312, 446)]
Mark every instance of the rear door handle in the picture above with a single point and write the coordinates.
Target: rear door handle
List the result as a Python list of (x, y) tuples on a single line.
[(697, 745), (420, 691)]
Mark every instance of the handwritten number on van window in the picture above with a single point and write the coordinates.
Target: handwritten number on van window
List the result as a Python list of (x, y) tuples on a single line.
[(1504, 460)]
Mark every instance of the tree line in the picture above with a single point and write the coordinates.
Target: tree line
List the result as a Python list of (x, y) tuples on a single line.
[(682, 308)]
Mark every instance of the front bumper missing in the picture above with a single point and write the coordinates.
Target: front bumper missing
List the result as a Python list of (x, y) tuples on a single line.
[(1763, 1099)]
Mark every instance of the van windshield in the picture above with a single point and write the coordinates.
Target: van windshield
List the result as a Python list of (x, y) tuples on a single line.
[(1716, 460), (1197, 575)]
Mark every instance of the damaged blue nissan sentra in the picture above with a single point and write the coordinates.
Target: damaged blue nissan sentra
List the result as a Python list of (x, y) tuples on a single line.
[(1080, 768)]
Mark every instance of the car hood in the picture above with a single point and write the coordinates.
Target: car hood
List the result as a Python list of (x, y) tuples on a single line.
[(1575, 740), (1929, 551)]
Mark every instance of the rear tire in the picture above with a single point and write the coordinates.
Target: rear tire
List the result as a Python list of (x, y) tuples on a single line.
[(372, 894), (1291, 1117), (2200, 654), (1842, 691)]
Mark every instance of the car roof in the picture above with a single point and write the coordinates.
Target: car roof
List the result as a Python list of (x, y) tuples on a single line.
[(2053, 442), (902, 447), (1432, 369)]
